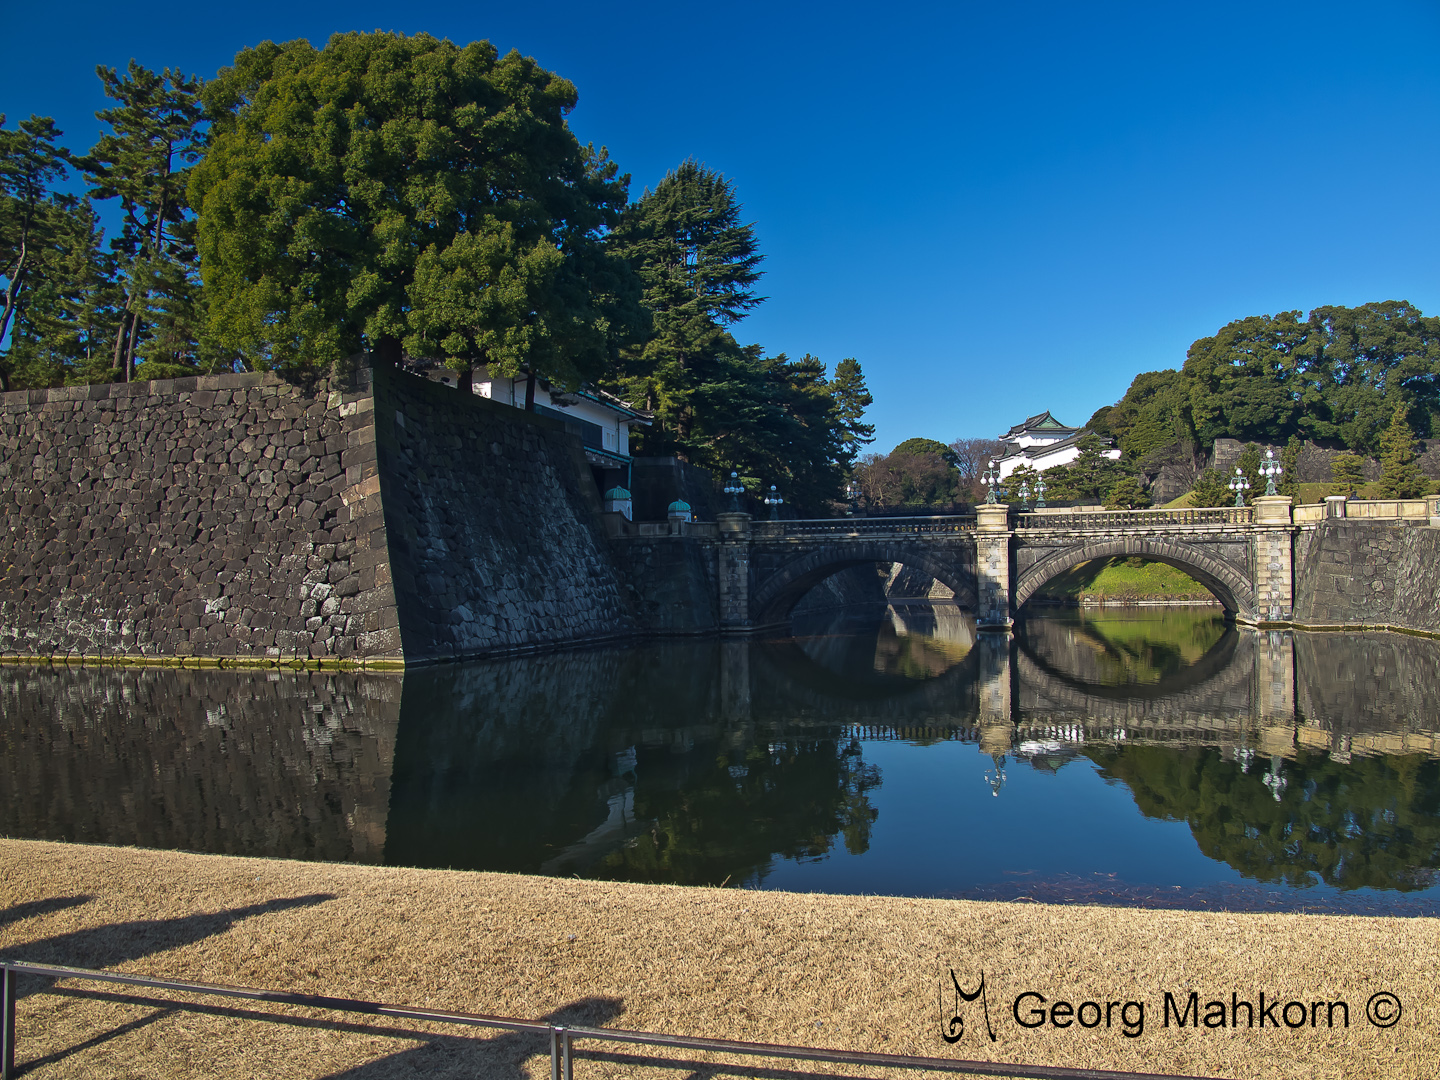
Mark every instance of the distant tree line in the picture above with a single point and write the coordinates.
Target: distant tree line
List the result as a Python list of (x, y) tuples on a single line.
[(1364, 380), (403, 196)]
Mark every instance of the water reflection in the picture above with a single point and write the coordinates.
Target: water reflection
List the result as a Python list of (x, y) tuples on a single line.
[(884, 751)]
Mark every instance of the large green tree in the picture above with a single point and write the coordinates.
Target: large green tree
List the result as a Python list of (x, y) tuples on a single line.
[(408, 194)]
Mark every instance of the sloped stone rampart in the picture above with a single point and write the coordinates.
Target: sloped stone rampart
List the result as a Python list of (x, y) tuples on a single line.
[(494, 527), (219, 517)]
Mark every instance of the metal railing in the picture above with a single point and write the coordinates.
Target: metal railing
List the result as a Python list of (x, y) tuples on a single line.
[(937, 525), (561, 1037), (1111, 520)]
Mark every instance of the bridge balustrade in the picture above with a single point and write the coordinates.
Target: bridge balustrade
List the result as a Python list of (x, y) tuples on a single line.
[(1139, 519), (946, 525)]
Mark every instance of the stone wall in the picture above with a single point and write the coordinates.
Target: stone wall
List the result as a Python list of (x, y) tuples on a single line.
[(365, 518), (494, 527), (1362, 574), (220, 517), (671, 582)]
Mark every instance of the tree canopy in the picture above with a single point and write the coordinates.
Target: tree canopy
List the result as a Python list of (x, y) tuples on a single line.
[(392, 192)]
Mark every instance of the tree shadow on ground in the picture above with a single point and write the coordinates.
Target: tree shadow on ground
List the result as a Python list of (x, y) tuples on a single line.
[(500, 1057), (116, 943), (31, 908)]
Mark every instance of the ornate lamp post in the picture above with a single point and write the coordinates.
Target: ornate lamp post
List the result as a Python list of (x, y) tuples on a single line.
[(1270, 469), (852, 496), (1239, 486), (1024, 495), (773, 501), (1040, 494), (991, 479), (734, 489)]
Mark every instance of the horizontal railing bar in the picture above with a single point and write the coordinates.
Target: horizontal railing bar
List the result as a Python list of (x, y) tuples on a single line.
[(281, 997), (645, 1038), (864, 1057)]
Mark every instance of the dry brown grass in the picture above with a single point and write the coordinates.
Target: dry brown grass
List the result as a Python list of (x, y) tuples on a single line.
[(841, 971)]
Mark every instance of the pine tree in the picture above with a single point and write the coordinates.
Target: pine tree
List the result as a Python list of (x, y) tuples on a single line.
[(1211, 488), (1400, 476), (1347, 473), (1289, 482), (852, 398), (1127, 494), (143, 161), (698, 265)]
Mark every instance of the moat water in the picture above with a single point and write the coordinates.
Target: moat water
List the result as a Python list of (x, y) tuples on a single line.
[(1151, 757)]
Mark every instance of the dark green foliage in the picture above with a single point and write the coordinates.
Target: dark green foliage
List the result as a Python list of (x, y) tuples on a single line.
[(1289, 482), (913, 479), (31, 223), (1400, 476), (1347, 473), (927, 446), (393, 191), (697, 264), (1089, 478), (1210, 489), (1022, 486), (1127, 494)]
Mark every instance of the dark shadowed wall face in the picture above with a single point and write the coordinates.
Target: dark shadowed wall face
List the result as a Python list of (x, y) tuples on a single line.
[(493, 525)]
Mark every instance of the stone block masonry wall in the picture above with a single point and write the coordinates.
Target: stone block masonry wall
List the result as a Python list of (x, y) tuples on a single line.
[(493, 524), (1362, 574), (220, 517)]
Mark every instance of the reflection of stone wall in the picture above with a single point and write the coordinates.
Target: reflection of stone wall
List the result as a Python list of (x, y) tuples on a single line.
[(1353, 573), (1368, 682), (275, 763)]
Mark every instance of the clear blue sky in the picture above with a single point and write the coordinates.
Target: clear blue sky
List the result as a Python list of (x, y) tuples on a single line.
[(997, 208)]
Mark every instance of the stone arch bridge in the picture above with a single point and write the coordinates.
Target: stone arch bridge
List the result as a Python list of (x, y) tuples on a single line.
[(996, 560)]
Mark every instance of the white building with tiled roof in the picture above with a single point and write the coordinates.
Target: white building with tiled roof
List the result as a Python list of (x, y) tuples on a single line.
[(1042, 442)]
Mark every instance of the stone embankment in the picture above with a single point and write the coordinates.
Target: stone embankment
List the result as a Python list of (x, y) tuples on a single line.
[(370, 518), (1368, 574)]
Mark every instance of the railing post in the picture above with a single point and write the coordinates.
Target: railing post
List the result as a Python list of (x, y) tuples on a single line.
[(555, 1053), (7, 1024)]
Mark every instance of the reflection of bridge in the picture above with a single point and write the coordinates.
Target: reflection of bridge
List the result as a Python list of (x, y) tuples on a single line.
[(995, 561)]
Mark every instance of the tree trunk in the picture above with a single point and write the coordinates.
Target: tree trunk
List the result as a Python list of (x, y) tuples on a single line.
[(13, 291), (530, 391), (465, 380)]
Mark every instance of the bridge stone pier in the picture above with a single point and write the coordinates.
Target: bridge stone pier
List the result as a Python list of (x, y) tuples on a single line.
[(997, 559)]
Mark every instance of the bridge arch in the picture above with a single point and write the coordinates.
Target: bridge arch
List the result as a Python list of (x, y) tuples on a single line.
[(1231, 587), (775, 596)]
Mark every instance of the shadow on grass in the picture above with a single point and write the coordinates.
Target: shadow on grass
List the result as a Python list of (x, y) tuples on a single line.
[(31, 908), (116, 943)]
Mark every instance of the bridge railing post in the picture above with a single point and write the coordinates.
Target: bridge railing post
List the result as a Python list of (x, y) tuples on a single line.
[(733, 571), (992, 567), (1274, 553)]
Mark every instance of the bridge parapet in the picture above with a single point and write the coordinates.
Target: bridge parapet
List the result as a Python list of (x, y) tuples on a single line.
[(840, 528), (1126, 520)]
